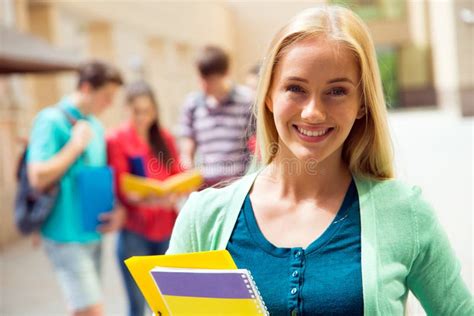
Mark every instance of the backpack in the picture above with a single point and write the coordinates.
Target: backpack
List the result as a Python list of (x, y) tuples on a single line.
[(32, 207)]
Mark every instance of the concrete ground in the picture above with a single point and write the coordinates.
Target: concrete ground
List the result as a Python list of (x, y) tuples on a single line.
[(433, 149), (28, 285)]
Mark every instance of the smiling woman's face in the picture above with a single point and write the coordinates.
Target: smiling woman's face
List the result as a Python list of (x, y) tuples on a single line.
[(315, 99)]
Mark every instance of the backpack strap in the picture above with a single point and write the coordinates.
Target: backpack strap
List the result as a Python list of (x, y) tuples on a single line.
[(22, 159), (71, 119)]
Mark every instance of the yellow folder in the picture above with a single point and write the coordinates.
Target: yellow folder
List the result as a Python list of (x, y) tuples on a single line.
[(179, 183), (141, 266)]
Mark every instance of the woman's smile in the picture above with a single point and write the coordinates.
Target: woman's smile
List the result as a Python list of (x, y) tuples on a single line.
[(312, 134)]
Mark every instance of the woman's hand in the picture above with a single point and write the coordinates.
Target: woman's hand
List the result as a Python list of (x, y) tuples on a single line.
[(164, 201), (154, 201), (134, 199)]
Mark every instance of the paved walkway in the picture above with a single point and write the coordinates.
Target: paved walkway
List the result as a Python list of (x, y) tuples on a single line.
[(28, 285)]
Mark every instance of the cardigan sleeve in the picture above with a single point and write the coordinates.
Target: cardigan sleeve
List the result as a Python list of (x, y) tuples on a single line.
[(435, 276), (184, 231)]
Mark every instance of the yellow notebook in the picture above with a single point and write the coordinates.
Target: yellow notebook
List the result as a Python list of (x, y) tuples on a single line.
[(202, 283), (179, 183)]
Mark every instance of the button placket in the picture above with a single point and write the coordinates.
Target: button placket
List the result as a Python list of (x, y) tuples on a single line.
[(296, 261)]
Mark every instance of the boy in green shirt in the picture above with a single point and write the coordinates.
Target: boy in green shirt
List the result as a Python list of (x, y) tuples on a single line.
[(56, 152)]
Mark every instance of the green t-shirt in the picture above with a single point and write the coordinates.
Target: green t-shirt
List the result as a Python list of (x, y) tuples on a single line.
[(51, 131)]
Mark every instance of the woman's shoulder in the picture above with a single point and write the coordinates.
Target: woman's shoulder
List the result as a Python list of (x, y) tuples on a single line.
[(206, 215), (223, 195), (211, 202), (398, 200), (390, 190)]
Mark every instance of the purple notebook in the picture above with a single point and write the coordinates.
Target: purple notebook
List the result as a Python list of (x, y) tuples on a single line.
[(185, 286), (200, 283)]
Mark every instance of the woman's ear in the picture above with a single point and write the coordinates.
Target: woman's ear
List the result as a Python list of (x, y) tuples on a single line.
[(269, 103), (361, 112)]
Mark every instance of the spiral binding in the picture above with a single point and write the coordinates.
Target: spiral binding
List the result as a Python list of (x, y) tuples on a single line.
[(255, 293)]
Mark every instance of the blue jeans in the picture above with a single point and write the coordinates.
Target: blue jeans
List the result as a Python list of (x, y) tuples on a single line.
[(132, 244)]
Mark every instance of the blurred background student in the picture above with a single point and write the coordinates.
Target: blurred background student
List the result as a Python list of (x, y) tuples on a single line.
[(251, 81), (141, 147), (215, 120), (57, 153)]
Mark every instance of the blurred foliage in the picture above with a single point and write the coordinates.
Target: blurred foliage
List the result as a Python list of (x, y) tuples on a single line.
[(387, 58), (375, 9)]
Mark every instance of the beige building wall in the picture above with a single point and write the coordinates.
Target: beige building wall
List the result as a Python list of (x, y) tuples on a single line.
[(178, 28), (10, 148), (20, 98), (442, 18), (43, 22), (255, 30), (465, 40)]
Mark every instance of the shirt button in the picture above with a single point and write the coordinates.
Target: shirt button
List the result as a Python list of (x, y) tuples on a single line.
[(295, 273), (294, 291), (298, 254)]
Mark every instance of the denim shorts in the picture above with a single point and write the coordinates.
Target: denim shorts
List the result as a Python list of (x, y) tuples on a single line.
[(77, 268)]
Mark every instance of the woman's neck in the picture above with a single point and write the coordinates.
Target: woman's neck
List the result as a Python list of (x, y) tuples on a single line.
[(142, 132), (297, 180), (78, 100), (223, 92)]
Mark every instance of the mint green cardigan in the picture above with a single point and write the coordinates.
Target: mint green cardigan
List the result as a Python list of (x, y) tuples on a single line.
[(403, 245)]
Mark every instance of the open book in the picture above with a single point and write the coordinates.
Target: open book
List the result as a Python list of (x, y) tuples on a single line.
[(200, 283), (179, 183), (208, 291)]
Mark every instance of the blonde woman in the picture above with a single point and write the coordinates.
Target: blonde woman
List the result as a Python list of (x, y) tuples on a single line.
[(323, 226)]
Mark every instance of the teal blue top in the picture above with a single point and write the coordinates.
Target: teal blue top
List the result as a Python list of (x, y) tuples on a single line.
[(323, 279), (51, 131)]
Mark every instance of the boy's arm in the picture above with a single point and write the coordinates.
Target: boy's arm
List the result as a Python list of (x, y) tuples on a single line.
[(41, 174), (187, 133), (187, 152)]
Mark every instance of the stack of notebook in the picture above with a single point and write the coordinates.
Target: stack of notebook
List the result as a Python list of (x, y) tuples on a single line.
[(203, 283)]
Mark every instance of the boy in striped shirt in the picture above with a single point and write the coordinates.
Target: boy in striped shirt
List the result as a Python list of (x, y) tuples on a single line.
[(215, 122)]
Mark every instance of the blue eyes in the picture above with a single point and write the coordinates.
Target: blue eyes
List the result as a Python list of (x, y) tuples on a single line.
[(334, 92), (295, 89), (337, 92)]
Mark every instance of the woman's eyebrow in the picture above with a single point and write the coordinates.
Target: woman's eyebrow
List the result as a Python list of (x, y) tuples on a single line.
[(294, 78), (341, 80)]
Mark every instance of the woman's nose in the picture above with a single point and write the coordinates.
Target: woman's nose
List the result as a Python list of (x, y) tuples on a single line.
[(313, 111)]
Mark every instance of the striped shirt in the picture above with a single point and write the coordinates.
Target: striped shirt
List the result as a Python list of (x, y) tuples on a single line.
[(220, 131)]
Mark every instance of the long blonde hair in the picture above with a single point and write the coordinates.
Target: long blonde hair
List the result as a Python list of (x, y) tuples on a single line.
[(367, 150)]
